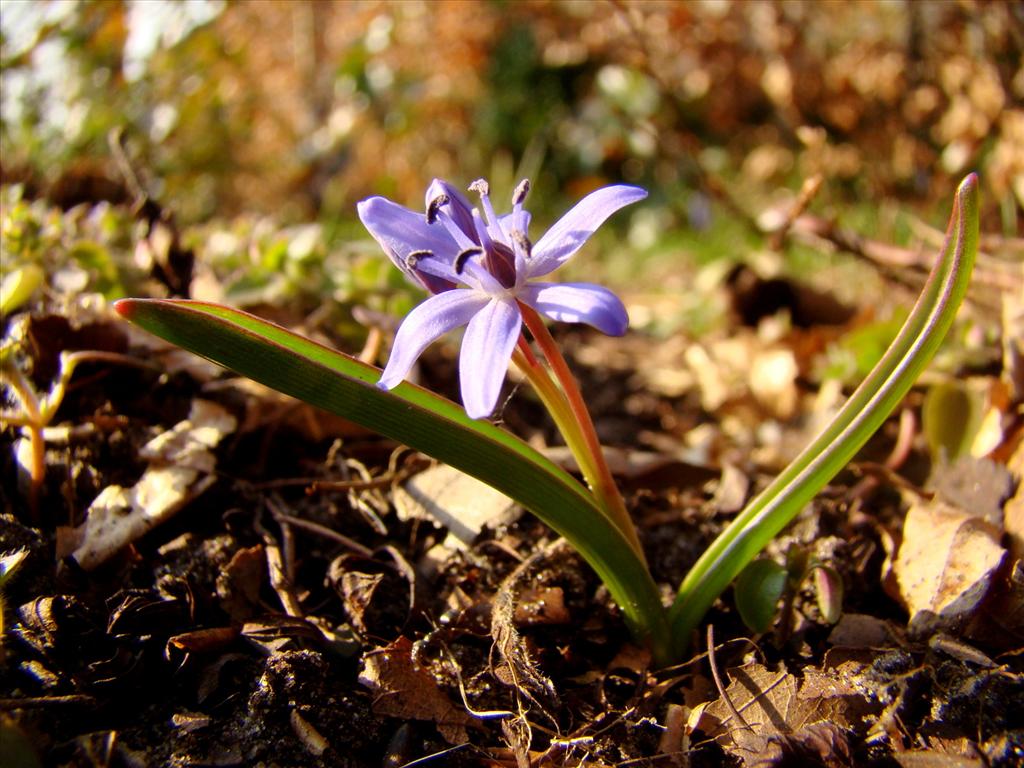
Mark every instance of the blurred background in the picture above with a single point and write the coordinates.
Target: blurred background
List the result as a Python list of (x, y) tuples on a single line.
[(275, 114), (301, 108)]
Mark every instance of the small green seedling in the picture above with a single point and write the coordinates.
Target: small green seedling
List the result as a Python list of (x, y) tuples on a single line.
[(38, 409), (763, 583)]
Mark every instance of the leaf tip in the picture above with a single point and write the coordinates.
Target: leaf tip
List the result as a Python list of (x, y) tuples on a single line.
[(969, 186), (125, 308), (971, 179)]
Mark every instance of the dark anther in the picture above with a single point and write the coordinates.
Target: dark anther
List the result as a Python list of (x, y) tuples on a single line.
[(414, 258), (523, 242), (435, 206), (460, 260), (522, 190), (480, 186)]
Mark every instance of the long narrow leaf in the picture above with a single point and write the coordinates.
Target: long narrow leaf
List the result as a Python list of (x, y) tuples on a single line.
[(422, 420), (862, 414)]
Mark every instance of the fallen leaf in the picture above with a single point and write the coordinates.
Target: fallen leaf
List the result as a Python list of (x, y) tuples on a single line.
[(930, 759), (181, 462), (357, 589), (773, 375), (1013, 344), (824, 744), (240, 582), (861, 630), (731, 492), (784, 716), (405, 690), (541, 605), (945, 565), (462, 504), (1001, 624), (979, 485), (1013, 510)]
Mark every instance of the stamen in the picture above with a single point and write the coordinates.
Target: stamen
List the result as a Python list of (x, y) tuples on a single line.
[(493, 222), (435, 206), (414, 258), (464, 256), (523, 242), (521, 191), (477, 276), (481, 231)]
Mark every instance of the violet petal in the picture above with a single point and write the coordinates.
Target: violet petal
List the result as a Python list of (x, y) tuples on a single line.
[(426, 323), (571, 231), (401, 232), (458, 206), (486, 351), (578, 303)]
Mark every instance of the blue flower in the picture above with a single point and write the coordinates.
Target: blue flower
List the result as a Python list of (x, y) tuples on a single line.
[(480, 266)]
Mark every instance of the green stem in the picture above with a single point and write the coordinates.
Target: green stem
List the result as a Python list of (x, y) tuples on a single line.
[(647, 618), (557, 405), (35, 420), (555, 402), (862, 414), (599, 476)]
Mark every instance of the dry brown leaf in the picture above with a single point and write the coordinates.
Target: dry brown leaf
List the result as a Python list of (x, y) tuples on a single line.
[(861, 630), (978, 485), (358, 590), (743, 366), (240, 582), (946, 564), (772, 381), (1013, 510), (451, 498), (1013, 344), (374, 592), (1006, 611), (731, 492), (180, 465), (405, 690), (783, 714), (537, 606), (930, 759)]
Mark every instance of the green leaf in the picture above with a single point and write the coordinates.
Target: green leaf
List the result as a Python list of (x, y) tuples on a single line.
[(343, 385), (828, 592), (18, 286), (951, 416), (868, 407), (758, 589)]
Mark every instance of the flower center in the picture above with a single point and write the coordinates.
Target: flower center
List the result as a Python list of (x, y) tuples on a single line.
[(502, 241)]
